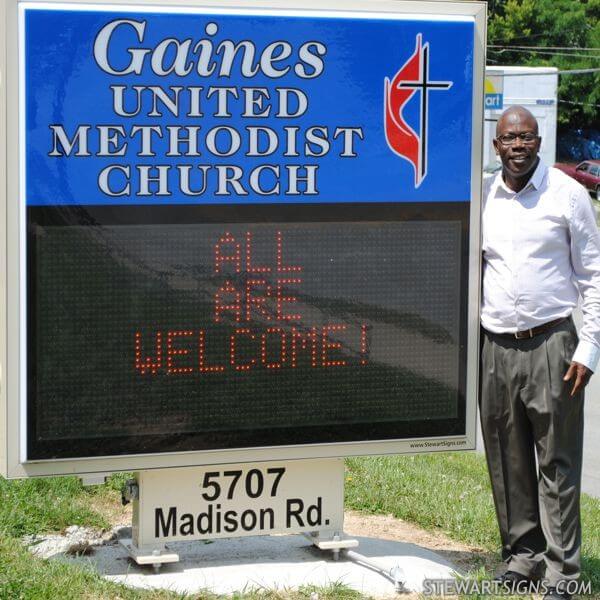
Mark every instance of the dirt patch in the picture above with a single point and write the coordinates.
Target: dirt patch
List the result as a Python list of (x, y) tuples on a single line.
[(111, 508), (467, 558)]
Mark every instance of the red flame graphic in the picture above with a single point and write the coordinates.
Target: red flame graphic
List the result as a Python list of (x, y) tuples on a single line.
[(400, 137)]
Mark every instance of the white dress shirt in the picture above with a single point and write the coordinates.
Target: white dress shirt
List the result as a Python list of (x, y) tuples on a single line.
[(541, 250)]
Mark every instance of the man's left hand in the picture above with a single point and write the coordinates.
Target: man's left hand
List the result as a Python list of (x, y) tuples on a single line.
[(581, 374)]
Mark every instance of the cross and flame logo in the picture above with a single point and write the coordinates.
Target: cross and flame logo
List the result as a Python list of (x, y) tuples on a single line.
[(412, 77)]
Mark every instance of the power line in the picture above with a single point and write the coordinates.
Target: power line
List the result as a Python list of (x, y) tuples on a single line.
[(541, 47), (537, 74), (579, 103), (546, 53), (527, 37), (578, 71)]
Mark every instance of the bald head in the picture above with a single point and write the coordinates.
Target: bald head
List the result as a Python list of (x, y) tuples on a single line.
[(517, 144), (516, 115)]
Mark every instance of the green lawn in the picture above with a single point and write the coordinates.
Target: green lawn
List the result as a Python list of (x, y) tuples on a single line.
[(450, 492), (51, 505), (441, 492)]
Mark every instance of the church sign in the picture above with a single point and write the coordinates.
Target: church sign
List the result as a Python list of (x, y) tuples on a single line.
[(238, 234)]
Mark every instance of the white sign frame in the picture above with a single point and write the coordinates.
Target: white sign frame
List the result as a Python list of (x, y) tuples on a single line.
[(13, 463)]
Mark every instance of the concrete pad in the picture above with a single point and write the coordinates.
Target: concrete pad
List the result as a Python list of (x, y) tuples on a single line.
[(271, 562)]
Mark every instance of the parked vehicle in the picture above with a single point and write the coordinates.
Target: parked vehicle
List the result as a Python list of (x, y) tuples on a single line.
[(586, 172)]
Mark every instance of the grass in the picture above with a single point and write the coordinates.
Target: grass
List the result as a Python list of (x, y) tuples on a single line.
[(448, 493), (43, 505), (38, 506), (49, 505), (23, 578), (445, 492)]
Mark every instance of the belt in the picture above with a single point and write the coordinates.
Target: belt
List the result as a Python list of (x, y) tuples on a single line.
[(529, 333)]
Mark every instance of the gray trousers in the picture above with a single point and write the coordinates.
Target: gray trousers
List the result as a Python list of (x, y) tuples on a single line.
[(526, 411)]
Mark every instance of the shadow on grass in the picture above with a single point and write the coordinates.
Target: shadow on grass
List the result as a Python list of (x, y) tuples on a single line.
[(469, 561), (473, 563)]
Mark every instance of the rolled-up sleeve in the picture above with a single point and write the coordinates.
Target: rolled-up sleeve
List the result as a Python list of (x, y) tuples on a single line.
[(585, 260)]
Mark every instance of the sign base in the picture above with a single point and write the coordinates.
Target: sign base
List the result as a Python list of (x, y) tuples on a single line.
[(335, 543), (153, 556), (228, 501)]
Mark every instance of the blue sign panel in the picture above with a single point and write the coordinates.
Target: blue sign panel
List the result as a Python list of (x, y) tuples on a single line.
[(140, 108)]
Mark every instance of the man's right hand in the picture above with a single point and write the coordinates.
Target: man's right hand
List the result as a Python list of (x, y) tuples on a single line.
[(581, 374)]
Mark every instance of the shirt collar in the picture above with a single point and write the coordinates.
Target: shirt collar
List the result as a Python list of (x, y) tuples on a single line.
[(538, 175), (535, 181)]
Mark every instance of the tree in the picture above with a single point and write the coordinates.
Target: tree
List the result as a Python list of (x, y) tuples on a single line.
[(563, 31)]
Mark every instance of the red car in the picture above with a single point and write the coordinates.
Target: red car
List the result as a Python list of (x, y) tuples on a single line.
[(586, 172)]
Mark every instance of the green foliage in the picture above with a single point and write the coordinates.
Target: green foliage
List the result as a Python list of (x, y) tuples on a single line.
[(41, 505), (511, 23), (450, 492), (553, 24), (117, 481), (590, 547)]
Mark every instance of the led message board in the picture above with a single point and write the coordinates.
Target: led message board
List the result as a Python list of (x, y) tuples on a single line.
[(244, 229)]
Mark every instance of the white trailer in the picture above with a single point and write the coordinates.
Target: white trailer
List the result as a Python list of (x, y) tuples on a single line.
[(536, 89)]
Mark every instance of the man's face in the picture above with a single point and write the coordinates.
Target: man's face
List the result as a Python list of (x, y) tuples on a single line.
[(518, 155)]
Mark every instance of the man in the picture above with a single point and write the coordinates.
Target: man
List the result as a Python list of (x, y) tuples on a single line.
[(541, 249)]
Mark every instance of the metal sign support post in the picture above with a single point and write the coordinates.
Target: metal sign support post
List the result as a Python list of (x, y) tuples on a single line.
[(223, 501)]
